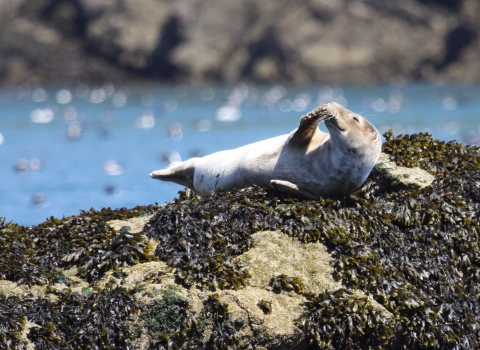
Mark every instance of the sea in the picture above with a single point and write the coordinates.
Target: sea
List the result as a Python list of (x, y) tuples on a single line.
[(67, 149)]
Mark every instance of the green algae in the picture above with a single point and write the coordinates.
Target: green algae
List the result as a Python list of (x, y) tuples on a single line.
[(164, 318)]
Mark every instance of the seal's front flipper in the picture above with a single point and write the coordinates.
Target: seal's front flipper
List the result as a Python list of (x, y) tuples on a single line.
[(290, 188), (178, 172), (308, 126)]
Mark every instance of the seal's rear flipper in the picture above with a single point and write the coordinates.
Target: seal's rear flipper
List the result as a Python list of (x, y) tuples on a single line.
[(178, 172), (290, 188), (308, 126)]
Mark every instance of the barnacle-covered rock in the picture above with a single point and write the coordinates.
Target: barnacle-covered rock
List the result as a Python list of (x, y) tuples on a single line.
[(395, 265)]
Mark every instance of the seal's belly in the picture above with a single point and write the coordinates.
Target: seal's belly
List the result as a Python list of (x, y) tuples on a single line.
[(252, 164)]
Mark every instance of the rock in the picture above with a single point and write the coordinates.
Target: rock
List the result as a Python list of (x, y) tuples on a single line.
[(395, 174), (273, 254), (91, 41), (40, 46), (389, 266)]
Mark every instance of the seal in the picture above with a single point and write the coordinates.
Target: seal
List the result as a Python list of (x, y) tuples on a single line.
[(306, 163)]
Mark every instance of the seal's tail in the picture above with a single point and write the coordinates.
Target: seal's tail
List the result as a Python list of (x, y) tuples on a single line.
[(178, 172)]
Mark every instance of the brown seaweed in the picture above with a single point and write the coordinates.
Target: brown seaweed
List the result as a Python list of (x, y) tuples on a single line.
[(414, 251)]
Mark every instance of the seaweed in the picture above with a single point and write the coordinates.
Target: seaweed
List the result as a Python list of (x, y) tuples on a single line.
[(100, 320), (284, 282), (224, 332), (101, 316), (414, 251), (200, 235), (170, 323), (35, 255), (265, 306), (343, 320), (19, 261), (12, 323), (163, 318)]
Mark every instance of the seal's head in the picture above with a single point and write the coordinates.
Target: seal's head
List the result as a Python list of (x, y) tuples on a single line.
[(352, 132), (355, 145)]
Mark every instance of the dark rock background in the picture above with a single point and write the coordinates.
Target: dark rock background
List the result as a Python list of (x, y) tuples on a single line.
[(202, 41)]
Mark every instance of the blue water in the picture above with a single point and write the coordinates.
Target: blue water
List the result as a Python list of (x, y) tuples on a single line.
[(63, 150)]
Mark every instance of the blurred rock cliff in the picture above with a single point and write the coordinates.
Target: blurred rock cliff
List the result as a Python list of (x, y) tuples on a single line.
[(206, 41)]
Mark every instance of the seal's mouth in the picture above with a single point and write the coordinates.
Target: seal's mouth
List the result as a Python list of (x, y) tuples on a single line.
[(333, 121)]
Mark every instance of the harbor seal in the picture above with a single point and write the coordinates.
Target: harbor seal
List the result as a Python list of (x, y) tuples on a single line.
[(306, 163)]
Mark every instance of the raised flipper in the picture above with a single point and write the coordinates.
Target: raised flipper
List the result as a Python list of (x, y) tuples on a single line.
[(290, 188), (178, 172), (308, 126)]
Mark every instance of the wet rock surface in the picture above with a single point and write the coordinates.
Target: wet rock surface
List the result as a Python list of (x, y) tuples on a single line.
[(393, 266), (369, 41)]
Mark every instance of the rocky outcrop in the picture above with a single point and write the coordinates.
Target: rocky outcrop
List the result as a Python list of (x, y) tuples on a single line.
[(369, 41), (392, 266), (263, 314)]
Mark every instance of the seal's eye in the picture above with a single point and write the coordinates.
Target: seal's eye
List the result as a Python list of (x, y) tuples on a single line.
[(356, 119)]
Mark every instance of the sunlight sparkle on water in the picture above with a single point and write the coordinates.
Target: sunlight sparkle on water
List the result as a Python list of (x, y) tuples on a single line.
[(64, 96), (41, 115)]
